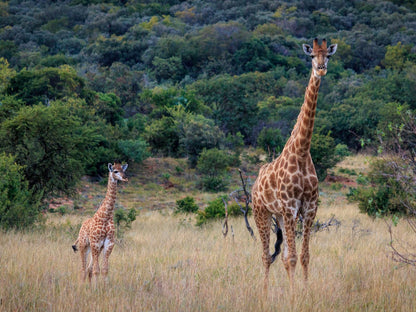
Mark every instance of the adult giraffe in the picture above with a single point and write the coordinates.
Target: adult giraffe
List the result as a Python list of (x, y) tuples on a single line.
[(288, 186)]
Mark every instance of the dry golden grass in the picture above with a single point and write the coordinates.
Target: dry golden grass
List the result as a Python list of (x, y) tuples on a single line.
[(165, 263)]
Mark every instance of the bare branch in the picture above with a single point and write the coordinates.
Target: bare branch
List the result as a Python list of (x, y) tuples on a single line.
[(318, 226), (398, 256), (247, 200), (225, 224)]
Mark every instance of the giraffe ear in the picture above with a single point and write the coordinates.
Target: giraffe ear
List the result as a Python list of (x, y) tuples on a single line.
[(124, 167), (307, 49), (332, 49), (110, 167)]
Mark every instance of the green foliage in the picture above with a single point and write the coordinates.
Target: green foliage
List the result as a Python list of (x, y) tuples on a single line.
[(135, 150), (234, 72), (323, 153), (214, 183), (214, 210), (397, 57), (213, 163), (341, 151), (186, 205), (162, 136), (45, 85), (51, 144), (108, 106), (196, 133), (6, 73), (271, 141), (385, 195), (235, 210), (123, 220), (19, 207), (170, 68)]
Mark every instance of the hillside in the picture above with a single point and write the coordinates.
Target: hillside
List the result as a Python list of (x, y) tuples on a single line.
[(83, 83)]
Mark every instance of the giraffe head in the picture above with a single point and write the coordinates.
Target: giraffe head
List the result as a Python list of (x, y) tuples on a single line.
[(117, 172), (320, 55)]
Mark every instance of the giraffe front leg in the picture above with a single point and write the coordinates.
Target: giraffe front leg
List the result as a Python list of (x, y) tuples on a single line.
[(289, 255), (95, 264), (108, 248), (304, 256), (262, 218)]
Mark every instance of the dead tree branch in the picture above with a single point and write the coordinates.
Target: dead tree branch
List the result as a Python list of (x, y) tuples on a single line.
[(247, 199), (404, 256), (318, 226), (225, 224)]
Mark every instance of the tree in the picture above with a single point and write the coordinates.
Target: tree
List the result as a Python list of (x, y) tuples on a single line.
[(397, 57), (52, 146), (135, 150), (195, 133), (162, 136), (6, 73), (108, 106), (47, 84)]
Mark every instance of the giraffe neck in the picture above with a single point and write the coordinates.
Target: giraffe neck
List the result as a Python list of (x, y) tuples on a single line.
[(300, 139), (107, 206)]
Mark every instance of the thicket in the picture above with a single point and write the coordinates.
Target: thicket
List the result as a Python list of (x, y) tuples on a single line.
[(391, 189), (85, 82), (19, 207)]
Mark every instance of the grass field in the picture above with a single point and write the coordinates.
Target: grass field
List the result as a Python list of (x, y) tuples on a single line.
[(166, 263)]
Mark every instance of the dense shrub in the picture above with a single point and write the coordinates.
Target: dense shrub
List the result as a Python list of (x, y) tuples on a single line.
[(19, 208), (385, 195), (271, 141), (213, 164), (323, 153), (214, 210), (123, 220), (186, 205), (135, 150)]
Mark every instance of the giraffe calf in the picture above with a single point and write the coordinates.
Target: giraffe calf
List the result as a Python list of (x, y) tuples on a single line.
[(97, 233)]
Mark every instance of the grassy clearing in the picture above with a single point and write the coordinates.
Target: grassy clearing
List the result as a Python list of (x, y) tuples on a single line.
[(165, 263)]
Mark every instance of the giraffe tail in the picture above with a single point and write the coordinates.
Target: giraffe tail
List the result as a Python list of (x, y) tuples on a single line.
[(279, 240), (74, 246)]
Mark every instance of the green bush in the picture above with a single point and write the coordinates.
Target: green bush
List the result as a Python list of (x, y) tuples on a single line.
[(271, 141), (214, 184), (323, 154), (214, 210), (234, 210), (135, 150), (385, 195), (123, 219), (213, 164), (341, 150), (186, 205), (19, 208)]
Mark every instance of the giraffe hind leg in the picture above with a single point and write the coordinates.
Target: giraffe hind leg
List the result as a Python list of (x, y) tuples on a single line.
[(262, 218)]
